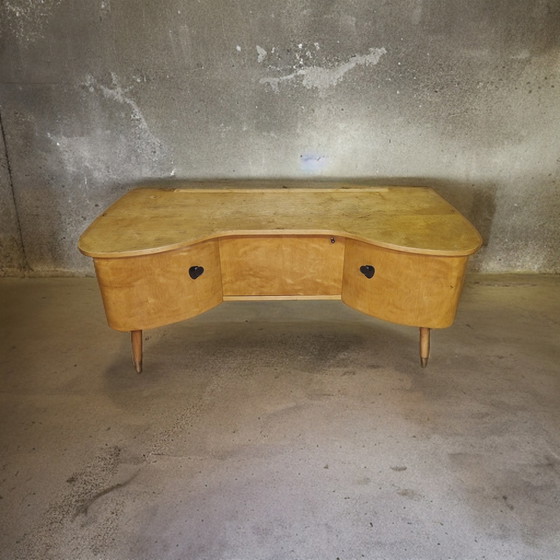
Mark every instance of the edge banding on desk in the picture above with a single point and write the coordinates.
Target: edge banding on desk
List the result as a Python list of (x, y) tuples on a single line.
[(164, 255)]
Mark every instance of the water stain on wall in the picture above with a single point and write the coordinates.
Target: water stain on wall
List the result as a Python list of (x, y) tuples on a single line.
[(320, 77), (27, 19)]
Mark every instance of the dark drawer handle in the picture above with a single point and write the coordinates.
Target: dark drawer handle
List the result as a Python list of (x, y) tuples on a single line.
[(367, 270), (196, 271)]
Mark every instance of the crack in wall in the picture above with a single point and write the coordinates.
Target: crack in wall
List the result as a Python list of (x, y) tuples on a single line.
[(24, 260)]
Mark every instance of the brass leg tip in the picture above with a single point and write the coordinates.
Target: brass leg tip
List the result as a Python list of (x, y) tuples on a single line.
[(423, 362)]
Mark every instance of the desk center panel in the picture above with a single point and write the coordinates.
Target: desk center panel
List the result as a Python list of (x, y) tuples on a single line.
[(295, 266)]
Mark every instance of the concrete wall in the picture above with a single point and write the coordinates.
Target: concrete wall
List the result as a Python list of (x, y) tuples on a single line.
[(100, 95), (12, 257)]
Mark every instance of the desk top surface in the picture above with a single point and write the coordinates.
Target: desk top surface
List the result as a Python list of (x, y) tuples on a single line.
[(152, 220)]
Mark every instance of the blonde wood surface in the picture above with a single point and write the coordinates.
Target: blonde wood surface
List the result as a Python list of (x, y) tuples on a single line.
[(282, 265), (409, 289), (408, 219), (154, 290), (424, 346), (136, 340), (301, 241)]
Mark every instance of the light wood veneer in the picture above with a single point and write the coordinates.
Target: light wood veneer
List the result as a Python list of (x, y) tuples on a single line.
[(164, 255)]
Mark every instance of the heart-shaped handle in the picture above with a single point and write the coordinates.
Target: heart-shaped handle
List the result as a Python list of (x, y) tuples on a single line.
[(367, 270), (196, 271)]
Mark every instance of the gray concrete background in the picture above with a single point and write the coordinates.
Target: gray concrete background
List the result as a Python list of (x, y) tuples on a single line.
[(101, 95)]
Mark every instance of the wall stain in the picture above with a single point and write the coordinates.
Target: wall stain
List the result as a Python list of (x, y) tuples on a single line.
[(27, 19), (118, 94), (321, 78)]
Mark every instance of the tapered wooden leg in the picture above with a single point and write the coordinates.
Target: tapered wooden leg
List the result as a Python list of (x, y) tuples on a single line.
[(424, 345), (136, 339)]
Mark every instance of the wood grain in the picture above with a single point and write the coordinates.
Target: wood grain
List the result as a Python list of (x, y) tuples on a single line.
[(407, 219), (408, 289), (136, 342), (154, 290), (282, 266), (424, 346)]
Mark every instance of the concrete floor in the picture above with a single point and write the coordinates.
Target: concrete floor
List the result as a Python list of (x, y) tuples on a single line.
[(280, 430)]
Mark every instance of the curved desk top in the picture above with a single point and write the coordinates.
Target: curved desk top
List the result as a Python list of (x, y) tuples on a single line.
[(152, 220)]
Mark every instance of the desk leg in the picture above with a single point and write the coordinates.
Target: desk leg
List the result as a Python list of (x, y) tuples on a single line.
[(424, 345), (136, 339)]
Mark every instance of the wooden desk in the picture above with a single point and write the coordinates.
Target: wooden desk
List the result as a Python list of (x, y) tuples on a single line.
[(164, 255)]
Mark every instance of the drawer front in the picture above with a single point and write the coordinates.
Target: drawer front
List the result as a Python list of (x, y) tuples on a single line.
[(304, 266), (154, 290), (405, 288)]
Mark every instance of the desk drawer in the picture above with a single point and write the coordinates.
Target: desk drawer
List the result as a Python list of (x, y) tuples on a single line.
[(282, 265), (154, 290), (405, 288)]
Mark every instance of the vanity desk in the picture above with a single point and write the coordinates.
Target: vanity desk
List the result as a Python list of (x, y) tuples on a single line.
[(164, 255)]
